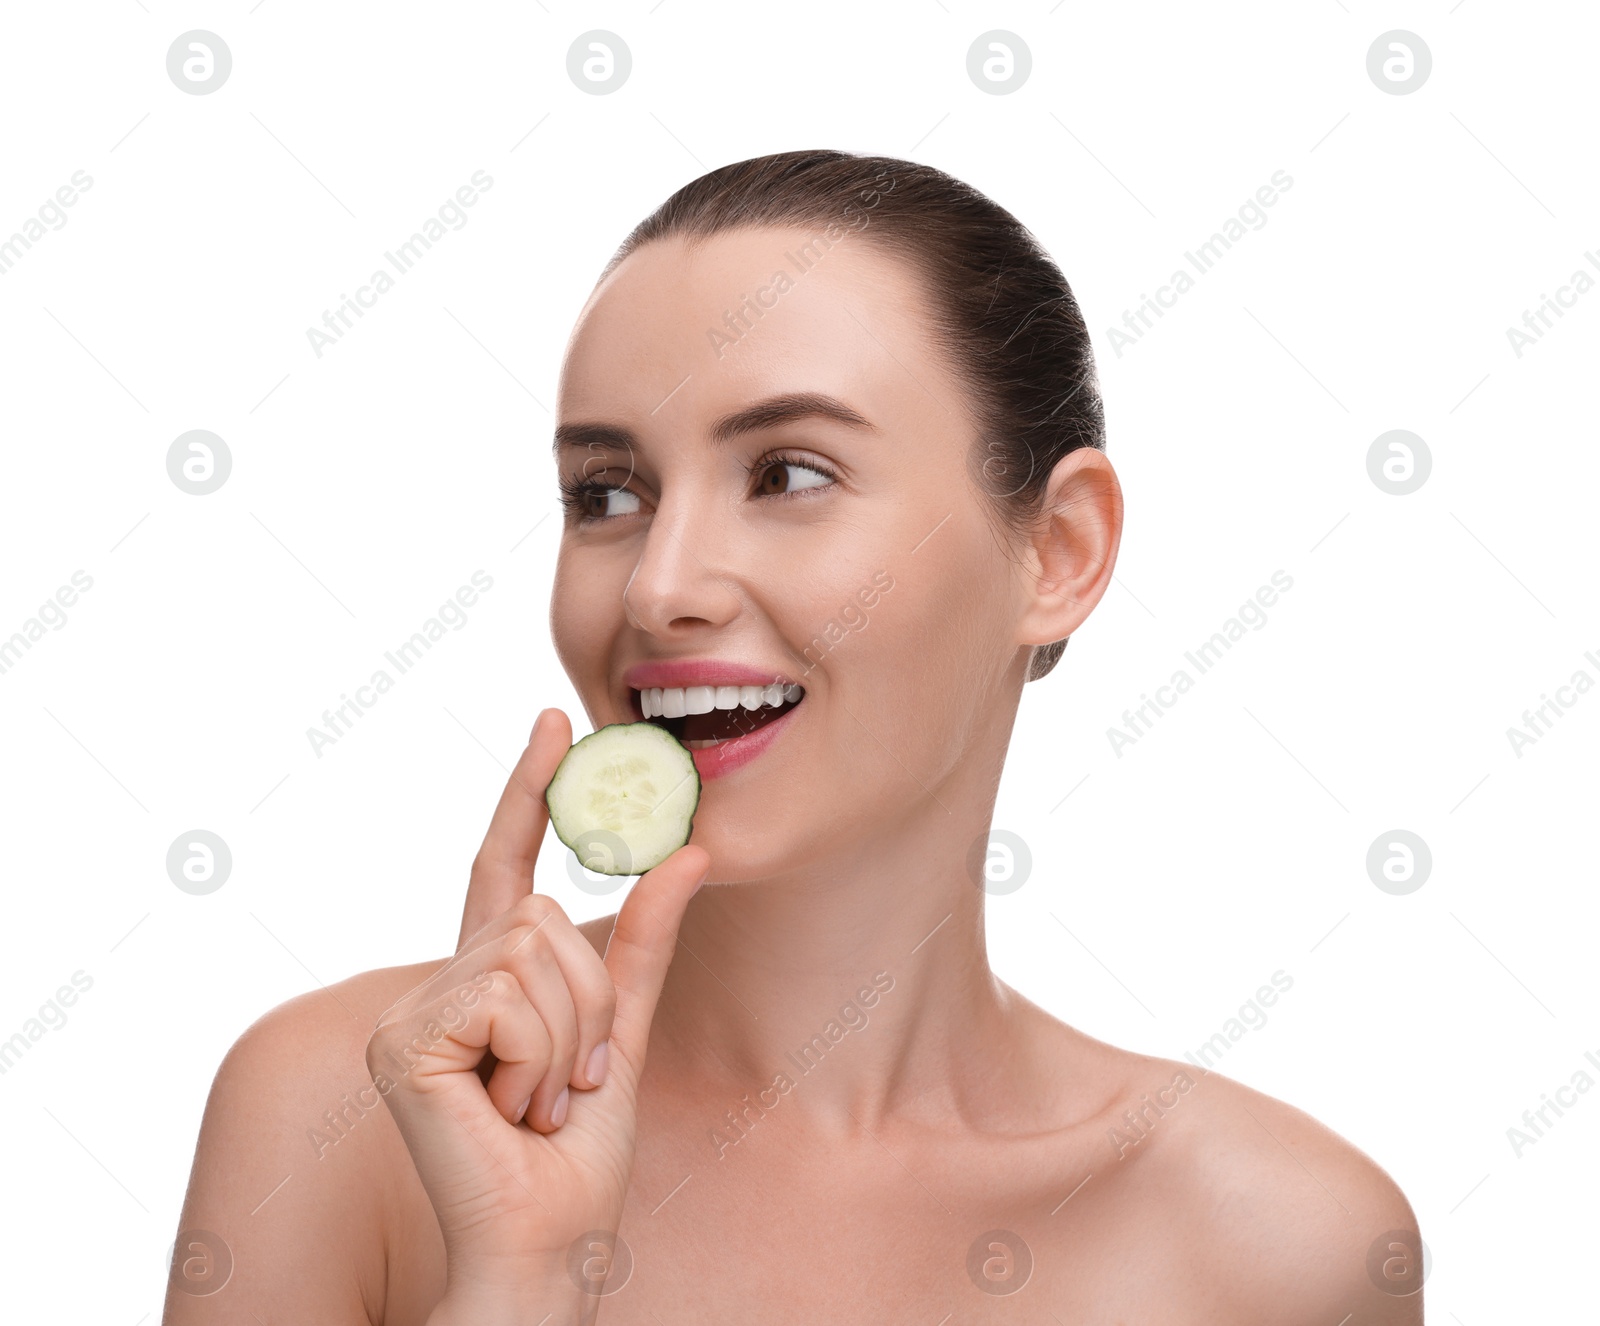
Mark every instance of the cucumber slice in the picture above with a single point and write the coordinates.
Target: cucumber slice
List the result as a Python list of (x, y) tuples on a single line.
[(623, 799)]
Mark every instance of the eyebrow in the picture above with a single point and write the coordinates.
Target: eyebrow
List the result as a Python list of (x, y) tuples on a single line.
[(769, 413)]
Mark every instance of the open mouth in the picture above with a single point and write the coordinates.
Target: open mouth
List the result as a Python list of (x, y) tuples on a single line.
[(705, 716)]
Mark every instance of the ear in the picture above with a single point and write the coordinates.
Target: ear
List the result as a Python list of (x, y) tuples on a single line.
[(1070, 554)]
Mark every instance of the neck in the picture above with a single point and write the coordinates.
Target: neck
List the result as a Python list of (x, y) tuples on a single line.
[(863, 980)]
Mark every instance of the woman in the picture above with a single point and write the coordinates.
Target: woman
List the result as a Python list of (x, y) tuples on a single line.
[(829, 424)]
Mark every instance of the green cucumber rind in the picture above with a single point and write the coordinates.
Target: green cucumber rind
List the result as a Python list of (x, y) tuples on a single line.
[(562, 768)]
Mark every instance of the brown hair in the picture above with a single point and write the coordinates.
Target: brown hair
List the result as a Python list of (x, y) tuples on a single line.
[(1002, 311)]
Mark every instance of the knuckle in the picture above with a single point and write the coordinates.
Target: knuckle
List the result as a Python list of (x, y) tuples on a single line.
[(525, 944), (510, 999), (537, 908), (503, 986)]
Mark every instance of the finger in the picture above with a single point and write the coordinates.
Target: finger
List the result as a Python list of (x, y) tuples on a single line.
[(502, 872), (594, 999), (517, 1036), (427, 1049), (589, 984), (527, 954), (643, 941)]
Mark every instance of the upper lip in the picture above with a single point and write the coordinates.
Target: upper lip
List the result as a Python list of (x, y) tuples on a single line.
[(699, 672)]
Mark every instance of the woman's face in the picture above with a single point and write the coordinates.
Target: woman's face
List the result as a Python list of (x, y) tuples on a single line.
[(779, 493)]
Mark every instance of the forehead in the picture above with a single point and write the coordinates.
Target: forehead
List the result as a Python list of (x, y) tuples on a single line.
[(684, 330)]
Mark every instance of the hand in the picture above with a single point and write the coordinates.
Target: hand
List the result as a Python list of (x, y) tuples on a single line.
[(523, 1152)]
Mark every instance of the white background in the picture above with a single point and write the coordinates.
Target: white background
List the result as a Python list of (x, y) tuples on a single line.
[(368, 484)]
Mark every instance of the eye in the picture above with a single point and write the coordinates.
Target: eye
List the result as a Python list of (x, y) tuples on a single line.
[(592, 499), (623, 503), (777, 476)]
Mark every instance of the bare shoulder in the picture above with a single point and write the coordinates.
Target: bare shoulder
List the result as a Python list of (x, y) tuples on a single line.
[(289, 1057), (302, 1198), (296, 1160), (1295, 1223)]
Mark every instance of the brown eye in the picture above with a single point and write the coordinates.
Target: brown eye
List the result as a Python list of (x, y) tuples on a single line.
[(598, 503), (787, 476)]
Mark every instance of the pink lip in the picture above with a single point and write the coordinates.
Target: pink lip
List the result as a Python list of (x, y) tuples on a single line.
[(722, 759), (697, 672)]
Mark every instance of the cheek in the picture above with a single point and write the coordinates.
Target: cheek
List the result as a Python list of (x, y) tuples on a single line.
[(583, 614), (953, 597), (936, 658), (916, 673), (562, 630)]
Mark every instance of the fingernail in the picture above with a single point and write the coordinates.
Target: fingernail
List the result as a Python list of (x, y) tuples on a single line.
[(523, 1108), (599, 1060), (700, 882), (558, 1112), (536, 723)]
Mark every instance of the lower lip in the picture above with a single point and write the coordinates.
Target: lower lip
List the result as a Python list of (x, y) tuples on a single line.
[(722, 759)]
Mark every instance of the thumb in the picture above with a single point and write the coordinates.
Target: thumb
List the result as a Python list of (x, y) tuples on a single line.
[(643, 941)]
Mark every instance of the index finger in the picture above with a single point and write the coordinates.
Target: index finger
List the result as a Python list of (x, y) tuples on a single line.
[(502, 872)]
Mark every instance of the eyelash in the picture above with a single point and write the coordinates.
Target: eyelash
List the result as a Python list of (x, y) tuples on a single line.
[(575, 492)]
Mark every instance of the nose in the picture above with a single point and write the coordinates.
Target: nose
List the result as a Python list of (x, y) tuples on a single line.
[(676, 588)]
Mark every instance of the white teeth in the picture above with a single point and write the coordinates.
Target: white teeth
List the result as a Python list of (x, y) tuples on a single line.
[(676, 701)]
